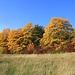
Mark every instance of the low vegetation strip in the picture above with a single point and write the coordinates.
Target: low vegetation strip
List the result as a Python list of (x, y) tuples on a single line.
[(37, 64)]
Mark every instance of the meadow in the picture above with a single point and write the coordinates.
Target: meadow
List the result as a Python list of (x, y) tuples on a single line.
[(37, 64)]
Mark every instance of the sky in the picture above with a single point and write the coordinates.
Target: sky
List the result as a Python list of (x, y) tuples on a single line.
[(15, 14)]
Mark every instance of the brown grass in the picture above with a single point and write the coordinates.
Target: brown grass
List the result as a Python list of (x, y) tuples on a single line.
[(45, 64)]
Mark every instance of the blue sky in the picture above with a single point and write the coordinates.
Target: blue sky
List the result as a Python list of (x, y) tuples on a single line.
[(15, 14)]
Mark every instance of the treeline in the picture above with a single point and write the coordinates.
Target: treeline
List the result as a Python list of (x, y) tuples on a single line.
[(58, 36)]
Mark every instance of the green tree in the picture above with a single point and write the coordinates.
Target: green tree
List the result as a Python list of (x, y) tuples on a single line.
[(37, 34)]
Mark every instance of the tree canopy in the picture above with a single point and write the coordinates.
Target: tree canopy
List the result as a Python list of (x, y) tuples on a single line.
[(57, 34)]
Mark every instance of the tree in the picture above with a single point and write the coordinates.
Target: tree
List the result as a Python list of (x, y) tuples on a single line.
[(19, 39), (57, 32), (14, 41), (27, 33), (72, 35), (3, 38), (37, 34)]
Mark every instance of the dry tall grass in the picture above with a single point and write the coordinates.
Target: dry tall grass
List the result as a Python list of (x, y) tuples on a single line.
[(47, 64)]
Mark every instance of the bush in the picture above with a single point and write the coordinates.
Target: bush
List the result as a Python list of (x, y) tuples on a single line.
[(69, 48), (6, 51), (25, 51), (1, 51), (30, 47), (51, 49), (56, 49)]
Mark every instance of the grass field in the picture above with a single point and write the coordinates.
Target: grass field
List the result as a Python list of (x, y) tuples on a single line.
[(47, 64)]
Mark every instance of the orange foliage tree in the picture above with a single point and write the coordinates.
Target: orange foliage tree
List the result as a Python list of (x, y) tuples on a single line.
[(57, 32), (3, 38), (14, 41), (19, 39), (27, 33)]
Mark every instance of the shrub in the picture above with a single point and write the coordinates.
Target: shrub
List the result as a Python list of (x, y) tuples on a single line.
[(69, 48), (25, 51), (30, 46), (50, 49), (6, 51), (1, 51), (39, 50)]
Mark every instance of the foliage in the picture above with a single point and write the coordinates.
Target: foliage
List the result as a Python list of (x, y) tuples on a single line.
[(6, 51), (27, 34), (14, 41), (69, 48), (57, 32), (40, 50), (73, 41), (3, 37), (30, 47), (27, 30), (37, 34), (57, 37), (72, 35)]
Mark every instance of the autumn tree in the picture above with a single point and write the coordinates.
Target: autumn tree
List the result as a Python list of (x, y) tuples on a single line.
[(14, 41), (57, 32), (72, 35), (27, 33), (3, 37), (19, 39)]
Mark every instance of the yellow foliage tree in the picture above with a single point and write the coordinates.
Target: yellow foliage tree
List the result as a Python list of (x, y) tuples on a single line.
[(19, 39), (27, 33), (3, 37), (57, 32), (14, 41)]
